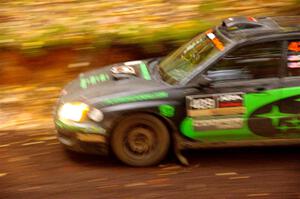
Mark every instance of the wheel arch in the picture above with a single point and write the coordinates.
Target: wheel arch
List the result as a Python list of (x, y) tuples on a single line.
[(115, 136)]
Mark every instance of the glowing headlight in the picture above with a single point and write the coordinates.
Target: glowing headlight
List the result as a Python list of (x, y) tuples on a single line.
[(75, 111)]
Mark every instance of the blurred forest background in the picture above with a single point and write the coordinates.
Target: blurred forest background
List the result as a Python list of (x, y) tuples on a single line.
[(46, 43), (67, 34), (34, 24)]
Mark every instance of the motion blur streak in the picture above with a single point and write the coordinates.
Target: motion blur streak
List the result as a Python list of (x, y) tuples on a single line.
[(44, 44)]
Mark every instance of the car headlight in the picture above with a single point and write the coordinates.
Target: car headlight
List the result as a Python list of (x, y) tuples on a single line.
[(76, 111)]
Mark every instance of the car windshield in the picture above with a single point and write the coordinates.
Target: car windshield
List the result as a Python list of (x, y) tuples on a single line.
[(183, 61)]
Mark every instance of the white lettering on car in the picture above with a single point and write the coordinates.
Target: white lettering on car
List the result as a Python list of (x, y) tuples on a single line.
[(204, 103), (228, 98), (228, 123)]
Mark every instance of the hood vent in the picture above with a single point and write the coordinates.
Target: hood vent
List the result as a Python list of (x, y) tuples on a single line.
[(123, 72)]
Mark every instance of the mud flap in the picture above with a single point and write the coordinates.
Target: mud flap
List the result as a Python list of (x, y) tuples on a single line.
[(177, 150), (183, 160)]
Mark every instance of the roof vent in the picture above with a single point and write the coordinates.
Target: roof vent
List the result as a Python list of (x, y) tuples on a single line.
[(241, 23)]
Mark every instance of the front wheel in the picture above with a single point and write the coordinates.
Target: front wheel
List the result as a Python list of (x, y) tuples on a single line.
[(140, 140)]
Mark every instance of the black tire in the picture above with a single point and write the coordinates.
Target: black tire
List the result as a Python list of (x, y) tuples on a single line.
[(140, 140)]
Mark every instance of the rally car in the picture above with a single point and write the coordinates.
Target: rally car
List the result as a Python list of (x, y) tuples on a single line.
[(237, 83)]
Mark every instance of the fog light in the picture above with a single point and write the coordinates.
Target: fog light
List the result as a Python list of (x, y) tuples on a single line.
[(96, 115)]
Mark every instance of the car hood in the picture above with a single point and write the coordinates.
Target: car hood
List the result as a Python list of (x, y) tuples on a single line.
[(113, 81)]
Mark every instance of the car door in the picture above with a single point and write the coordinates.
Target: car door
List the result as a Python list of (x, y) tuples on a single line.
[(241, 101), (289, 126)]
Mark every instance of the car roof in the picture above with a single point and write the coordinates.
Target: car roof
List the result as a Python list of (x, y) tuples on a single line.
[(237, 28), (288, 24)]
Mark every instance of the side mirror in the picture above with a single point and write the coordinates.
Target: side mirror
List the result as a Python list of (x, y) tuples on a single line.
[(204, 80)]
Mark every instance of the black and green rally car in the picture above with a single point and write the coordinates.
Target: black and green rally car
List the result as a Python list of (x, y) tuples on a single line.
[(235, 84)]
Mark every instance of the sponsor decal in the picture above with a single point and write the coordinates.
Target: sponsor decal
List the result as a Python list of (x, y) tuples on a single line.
[(218, 123), (202, 103), (135, 98), (219, 111), (93, 79), (230, 100), (217, 101)]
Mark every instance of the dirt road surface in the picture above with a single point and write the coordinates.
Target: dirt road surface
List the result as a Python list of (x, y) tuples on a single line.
[(34, 165)]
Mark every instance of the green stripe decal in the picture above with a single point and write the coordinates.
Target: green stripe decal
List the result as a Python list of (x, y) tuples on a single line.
[(93, 80), (144, 71), (135, 98)]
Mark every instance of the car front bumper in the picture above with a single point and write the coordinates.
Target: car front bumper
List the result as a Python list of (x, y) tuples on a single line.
[(82, 137)]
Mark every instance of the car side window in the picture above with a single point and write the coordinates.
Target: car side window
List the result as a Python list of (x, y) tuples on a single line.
[(293, 58), (254, 61)]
